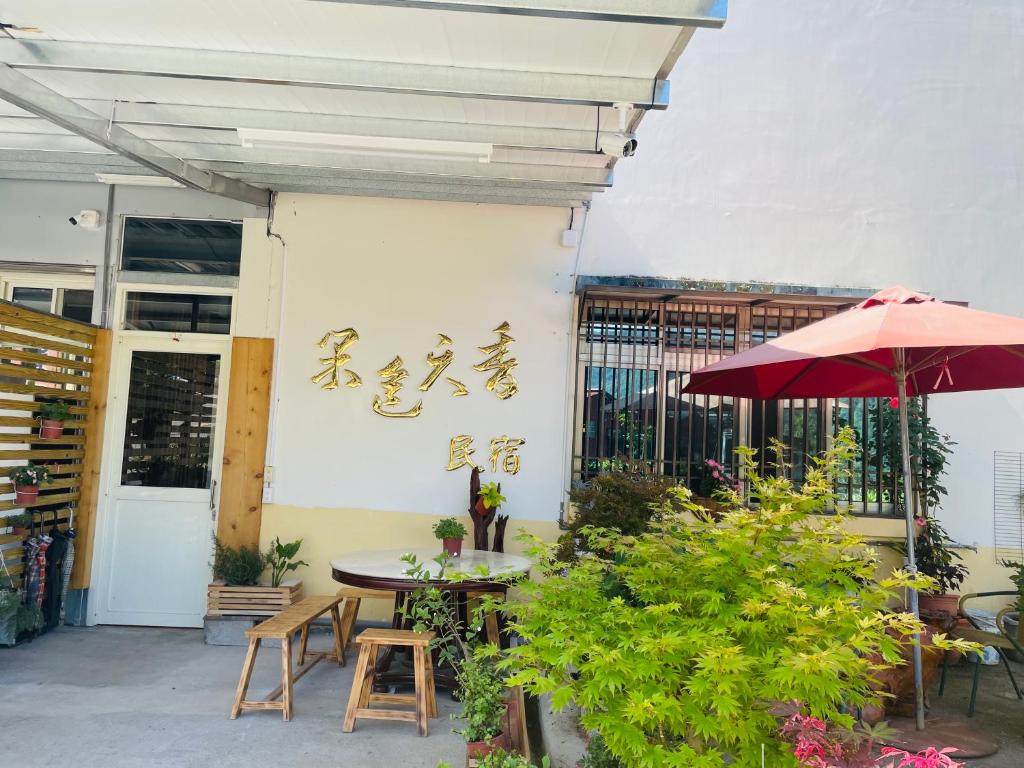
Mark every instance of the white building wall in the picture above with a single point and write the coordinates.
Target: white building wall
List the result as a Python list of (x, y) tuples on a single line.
[(851, 144)]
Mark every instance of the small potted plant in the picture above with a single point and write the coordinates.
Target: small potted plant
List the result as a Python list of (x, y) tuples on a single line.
[(451, 533), (1012, 617), (26, 481), (20, 524), (237, 590), (52, 416), (482, 691), (937, 559), (280, 558), (489, 498)]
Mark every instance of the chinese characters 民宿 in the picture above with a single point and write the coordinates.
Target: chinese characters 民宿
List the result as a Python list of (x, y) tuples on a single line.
[(504, 453), (498, 363)]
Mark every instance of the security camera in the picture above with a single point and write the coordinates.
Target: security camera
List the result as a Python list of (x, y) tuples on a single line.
[(85, 220), (617, 145)]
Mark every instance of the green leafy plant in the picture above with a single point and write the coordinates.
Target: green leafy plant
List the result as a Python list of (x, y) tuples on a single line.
[(54, 410), (501, 759), (935, 557), (929, 453), (491, 495), (280, 558), (597, 754), (30, 474), (625, 502), (23, 520), (1018, 581), (449, 528), (482, 692), (677, 648), (13, 608), (237, 566)]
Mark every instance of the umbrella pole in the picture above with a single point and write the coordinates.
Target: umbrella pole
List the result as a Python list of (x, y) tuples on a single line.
[(901, 390)]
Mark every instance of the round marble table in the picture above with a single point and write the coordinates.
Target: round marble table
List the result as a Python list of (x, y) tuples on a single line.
[(384, 569)]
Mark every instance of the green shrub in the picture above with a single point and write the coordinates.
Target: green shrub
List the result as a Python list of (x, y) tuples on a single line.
[(678, 647), (449, 528), (598, 756), (491, 494), (1018, 581), (30, 474), (625, 502), (238, 566), (24, 520), (279, 558), (482, 691), (54, 410)]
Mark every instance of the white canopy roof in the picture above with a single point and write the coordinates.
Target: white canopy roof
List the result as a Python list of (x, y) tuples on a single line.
[(478, 100)]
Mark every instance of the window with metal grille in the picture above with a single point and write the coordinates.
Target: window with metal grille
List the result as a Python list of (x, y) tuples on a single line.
[(633, 357)]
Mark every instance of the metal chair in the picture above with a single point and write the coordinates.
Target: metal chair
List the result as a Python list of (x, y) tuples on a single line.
[(1002, 642)]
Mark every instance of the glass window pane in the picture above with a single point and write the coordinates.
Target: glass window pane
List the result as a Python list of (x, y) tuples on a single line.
[(188, 246), (177, 313), (39, 299), (77, 305), (172, 408)]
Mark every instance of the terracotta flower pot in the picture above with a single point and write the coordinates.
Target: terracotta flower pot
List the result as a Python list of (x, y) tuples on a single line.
[(26, 494), (949, 603), (51, 429), (478, 749), (452, 547)]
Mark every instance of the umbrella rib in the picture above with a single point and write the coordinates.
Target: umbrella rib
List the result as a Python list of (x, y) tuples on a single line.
[(928, 361), (1012, 351), (800, 374), (863, 362)]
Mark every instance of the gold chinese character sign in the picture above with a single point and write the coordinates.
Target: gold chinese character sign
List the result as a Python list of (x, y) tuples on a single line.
[(328, 377), (501, 382), (392, 375), (504, 453)]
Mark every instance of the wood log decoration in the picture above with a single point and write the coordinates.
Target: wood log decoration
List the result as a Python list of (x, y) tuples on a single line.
[(480, 522), (499, 533)]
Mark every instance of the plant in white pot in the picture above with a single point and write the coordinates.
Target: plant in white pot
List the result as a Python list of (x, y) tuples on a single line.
[(451, 533), (27, 480), (52, 416)]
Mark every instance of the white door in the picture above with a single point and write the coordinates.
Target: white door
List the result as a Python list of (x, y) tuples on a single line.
[(159, 510)]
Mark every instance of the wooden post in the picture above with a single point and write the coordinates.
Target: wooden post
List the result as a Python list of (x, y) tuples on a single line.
[(85, 520), (245, 443)]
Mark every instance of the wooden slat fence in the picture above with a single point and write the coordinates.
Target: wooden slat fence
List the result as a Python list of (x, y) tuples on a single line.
[(45, 358)]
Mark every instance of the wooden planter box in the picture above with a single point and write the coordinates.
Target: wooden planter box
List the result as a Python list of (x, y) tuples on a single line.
[(223, 600)]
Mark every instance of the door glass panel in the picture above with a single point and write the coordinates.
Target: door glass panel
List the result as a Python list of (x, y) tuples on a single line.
[(39, 299), (172, 409), (77, 304)]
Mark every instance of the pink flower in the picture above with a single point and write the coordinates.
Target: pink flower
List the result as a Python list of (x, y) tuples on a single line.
[(894, 402), (920, 521), (716, 475)]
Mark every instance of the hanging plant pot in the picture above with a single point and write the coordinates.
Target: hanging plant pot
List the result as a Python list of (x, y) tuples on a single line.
[(51, 429), (26, 494), (452, 547)]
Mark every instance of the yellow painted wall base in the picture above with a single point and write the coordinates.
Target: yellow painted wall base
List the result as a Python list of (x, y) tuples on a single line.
[(328, 534)]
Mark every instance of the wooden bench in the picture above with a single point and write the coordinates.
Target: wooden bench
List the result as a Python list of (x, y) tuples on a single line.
[(354, 597), (283, 626), (423, 701)]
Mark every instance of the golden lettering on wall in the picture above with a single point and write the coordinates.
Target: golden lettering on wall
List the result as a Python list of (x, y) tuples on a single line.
[(437, 362), (506, 449), (460, 452), (504, 453), (392, 375), (501, 382), (459, 389), (328, 377), (498, 362)]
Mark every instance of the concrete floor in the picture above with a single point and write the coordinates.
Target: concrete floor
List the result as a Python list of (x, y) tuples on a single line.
[(155, 698)]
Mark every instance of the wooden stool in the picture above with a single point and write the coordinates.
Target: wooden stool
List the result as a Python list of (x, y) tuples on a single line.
[(294, 618), (424, 701), (353, 598)]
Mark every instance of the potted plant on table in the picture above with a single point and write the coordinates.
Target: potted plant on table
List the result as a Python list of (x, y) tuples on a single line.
[(27, 480), (936, 558), (451, 533), (489, 499), (52, 416)]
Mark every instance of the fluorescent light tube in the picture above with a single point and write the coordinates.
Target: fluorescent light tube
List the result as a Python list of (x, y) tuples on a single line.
[(137, 180), (378, 146)]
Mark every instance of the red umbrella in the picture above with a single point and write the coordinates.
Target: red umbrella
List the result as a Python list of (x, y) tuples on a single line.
[(898, 342)]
